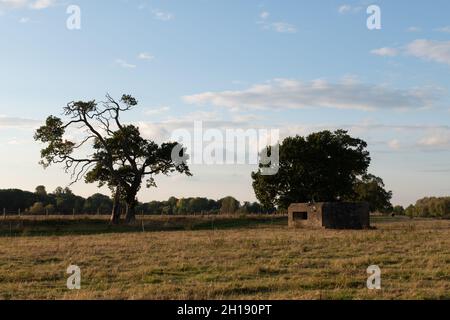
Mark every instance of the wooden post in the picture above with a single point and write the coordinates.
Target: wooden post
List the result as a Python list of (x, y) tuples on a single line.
[(4, 213), (19, 212), (73, 212)]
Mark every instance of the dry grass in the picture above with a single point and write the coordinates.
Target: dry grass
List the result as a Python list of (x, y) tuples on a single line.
[(264, 261)]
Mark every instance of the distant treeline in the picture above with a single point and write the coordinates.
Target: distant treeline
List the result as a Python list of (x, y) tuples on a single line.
[(428, 207), (63, 201)]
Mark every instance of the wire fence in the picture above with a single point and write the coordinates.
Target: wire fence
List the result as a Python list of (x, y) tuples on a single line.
[(5, 213), (21, 212)]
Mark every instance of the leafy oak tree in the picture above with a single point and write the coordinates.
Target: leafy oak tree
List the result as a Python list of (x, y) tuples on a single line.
[(108, 152), (323, 166)]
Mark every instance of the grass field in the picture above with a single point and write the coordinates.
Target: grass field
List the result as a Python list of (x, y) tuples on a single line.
[(221, 258)]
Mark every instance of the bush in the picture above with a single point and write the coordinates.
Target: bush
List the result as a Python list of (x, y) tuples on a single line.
[(399, 211), (37, 208), (49, 209)]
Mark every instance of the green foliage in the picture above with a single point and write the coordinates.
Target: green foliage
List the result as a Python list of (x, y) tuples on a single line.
[(189, 206), (229, 205), (252, 208), (37, 208), (14, 199), (119, 157), (50, 209), (410, 211), (67, 202), (371, 189), (399, 211), (430, 207), (97, 204), (41, 191), (197, 204), (324, 166), (57, 149), (62, 201)]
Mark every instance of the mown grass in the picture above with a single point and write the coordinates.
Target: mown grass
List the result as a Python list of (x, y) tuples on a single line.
[(229, 259)]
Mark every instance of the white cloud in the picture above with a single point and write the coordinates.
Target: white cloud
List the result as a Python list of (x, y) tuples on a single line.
[(208, 116), (154, 131), (394, 144), (264, 15), (156, 111), (283, 27), (18, 123), (162, 130), (13, 4), (346, 8), (437, 140), (347, 79), (247, 118), (26, 4), (413, 138), (437, 51), (414, 29), (238, 82), (16, 142), (294, 94), (145, 56), (386, 137), (161, 15), (41, 4), (385, 52), (445, 29), (24, 20), (280, 26), (125, 64), (431, 50)]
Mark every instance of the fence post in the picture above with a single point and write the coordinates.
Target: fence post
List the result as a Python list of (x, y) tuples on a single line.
[(19, 212), (4, 213), (73, 212)]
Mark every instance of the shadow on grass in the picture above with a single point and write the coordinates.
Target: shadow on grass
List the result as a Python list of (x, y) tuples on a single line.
[(17, 227)]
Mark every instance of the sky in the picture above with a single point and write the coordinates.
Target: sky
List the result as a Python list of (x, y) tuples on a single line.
[(293, 66)]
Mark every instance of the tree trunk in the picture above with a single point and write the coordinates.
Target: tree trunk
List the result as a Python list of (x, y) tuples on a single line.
[(131, 213), (131, 201), (115, 216)]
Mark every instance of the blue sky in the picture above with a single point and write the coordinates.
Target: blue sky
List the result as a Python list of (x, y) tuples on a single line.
[(298, 66)]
